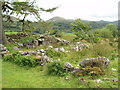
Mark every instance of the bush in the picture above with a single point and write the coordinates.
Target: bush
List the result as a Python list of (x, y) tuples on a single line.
[(54, 54), (21, 60), (58, 34), (26, 40), (8, 58), (104, 32), (92, 71), (10, 47), (102, 49), (56, 68)]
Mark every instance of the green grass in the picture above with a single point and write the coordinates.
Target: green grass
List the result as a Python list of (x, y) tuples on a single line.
[(24, 77), (17, 77), (11, 33), (68, 34)]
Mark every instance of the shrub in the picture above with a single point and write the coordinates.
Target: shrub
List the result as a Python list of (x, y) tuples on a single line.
[(8, 58), (92, 71), (104, 32), (54, 54), (10, 47), (102, 49), (21, 60), (26, 40), (56, 68)]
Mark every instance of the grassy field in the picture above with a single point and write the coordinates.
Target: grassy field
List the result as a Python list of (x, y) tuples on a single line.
[(14, 76), (17, 77), (11, 33), (68, 34)]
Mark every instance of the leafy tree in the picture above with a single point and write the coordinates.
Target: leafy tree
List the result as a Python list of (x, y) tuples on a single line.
[(43, 27), (22, 9), (104, 32), (81, 29), (112, 28)]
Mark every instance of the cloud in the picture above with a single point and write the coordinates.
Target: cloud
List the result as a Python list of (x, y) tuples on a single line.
[(84, 9)]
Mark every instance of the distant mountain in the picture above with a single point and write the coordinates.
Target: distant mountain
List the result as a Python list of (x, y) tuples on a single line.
[(56, 19), (59, 23)]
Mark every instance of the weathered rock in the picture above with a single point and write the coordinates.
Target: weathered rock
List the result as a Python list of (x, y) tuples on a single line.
[(42, 50), (79, 46), (82, 80), (111, 79), (36, 42), (67, 51), (87, 71), (62, 41), (56, 49), (98, 81), (50, 47), (68, 66), (113, 69), (3, 50), (76, 68), (45, 59), (32, 52), (38, 57), (67, 78), (16, 37), (62, 49), (20, 45), (23, 52), (78, 43), (15, 48), (77, 72), (93, 62)]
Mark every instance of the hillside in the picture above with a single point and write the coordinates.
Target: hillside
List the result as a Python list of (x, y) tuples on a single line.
[(57, 23)]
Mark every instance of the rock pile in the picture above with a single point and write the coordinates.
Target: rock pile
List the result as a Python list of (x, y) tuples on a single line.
[(40, 40), (99, 62), (46, 39), (16, 37), (44, 59), (3, 50), (62, 41), (35, 53), (39, 55), (79, 46), (56, 49), (68, 66)]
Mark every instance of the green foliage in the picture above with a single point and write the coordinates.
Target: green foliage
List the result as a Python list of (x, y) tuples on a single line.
[(26, 40), (105, 33), (8, 58), (21, 60), (92, 71), (112, 28), (82, 30), (102, 49), (56, 68), (42, 27), (54, 54), (79, 26), (10, 47), (58, 34), (23, 9)]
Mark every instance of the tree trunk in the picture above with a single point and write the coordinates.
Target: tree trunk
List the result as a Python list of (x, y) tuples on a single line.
[(3, 39)]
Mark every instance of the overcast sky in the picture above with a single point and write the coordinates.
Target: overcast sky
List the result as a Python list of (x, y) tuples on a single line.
[(93, 10)]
